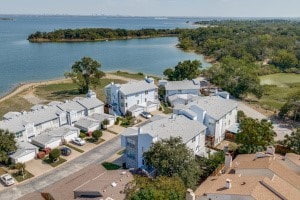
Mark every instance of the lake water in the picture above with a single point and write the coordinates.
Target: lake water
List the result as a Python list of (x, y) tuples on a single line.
[(21, 61)]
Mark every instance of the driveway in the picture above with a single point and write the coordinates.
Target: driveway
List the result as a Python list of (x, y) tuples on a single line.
[(97, 155)]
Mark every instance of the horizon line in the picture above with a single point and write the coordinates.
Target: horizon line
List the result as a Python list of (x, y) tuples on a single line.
[(151, 16)]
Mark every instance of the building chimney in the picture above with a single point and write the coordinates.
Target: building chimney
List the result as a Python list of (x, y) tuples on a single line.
[(189, 195), (260, 155), (228, 161), (228, 183), (271, 150)]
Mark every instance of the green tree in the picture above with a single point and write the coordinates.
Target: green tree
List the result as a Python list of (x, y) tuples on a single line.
[(254, 135), (241, 116), (184, 70), (160, 188), (85, 73), (210, 164), (293, 141), (171, 157), (7, 145), (21, 168), (291, 108), (284, 59), (54, 154), (97, 134), (237, 76)]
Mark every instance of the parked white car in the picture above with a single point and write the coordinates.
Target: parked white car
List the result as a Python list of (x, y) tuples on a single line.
[(78, 141), (7, 179), (146, 115)]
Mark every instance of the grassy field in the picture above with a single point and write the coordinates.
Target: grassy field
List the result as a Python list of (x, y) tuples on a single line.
[(64, 91), (16, 103), (277, 88)]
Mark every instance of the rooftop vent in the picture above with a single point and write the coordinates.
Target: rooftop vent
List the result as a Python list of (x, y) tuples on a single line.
[(228, 183), (113, 184)]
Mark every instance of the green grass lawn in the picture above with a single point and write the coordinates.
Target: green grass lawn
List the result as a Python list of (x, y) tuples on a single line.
[(277, 87), (137, 76), (20, 178), (280, 79), (15, 103), (62, 91), (74, 148), (110, 166), (49, 161)]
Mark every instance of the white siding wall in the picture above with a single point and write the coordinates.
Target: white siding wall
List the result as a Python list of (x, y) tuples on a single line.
[(144, 143), (198, 143), (137, 99), (25, 158), (71, 136)]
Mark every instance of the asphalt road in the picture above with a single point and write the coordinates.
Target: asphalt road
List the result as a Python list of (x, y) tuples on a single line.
[(97, 155)]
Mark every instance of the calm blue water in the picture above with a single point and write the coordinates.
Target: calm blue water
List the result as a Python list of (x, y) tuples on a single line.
[(21, 61)]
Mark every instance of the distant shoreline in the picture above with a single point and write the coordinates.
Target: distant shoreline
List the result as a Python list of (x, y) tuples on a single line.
[(6, 19), (43, 40), (24, 86)]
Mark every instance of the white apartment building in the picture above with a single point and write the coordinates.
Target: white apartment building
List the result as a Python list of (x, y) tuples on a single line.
[(27, 125), (215, 112), (138, 140), (180, 87), (132, 98)]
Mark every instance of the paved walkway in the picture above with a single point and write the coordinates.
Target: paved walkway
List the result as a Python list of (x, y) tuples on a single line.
[(97, 155)]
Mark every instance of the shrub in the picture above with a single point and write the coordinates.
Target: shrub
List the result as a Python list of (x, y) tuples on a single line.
[(41, 155), (82, 135), (97, 134), (54, 154)]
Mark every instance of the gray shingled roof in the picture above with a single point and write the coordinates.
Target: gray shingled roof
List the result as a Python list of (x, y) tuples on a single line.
[(215, 106), (87, 122), (71, 105), (136, 87), (90, 103), (37, 117), (52, 135), (10, 115), (181, 85), (178, 126), (23, 148), (101, 117)]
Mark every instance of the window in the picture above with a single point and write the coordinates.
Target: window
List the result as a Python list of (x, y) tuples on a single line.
[(145, 99), (136, 95), (179, 91), (122, 104), (19, 134), (138, 101), (146, 92), (125, 104), (122, 97)]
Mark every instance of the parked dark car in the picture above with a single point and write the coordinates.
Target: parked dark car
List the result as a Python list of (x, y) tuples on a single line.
[(65, 151)]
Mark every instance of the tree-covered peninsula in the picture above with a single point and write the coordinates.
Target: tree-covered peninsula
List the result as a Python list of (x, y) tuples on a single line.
[(98, 34), (272, 43)]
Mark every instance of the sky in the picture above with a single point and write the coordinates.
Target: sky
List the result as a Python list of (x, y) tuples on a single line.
[(197, 8)]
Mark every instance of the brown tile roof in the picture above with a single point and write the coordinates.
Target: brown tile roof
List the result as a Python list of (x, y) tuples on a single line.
[(241, 185), (282, 182), (32, 196), (294, 158), (282, 188), (273, 163), (93, 178)]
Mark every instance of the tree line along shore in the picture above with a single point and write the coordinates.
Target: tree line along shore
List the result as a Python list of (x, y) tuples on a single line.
[(98, 34)]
